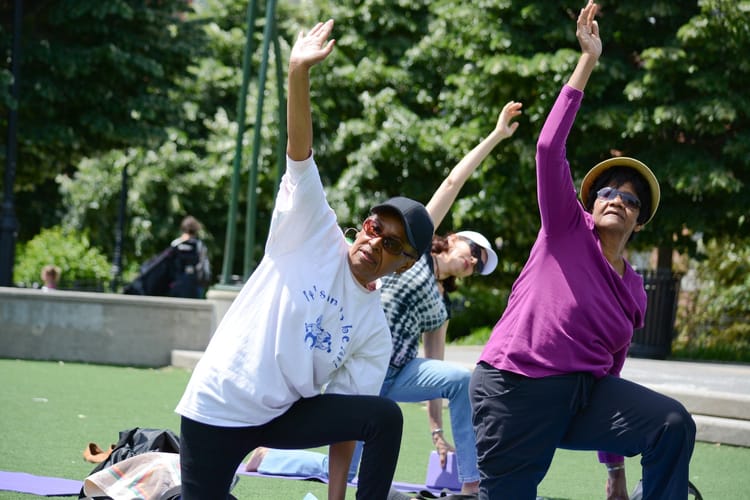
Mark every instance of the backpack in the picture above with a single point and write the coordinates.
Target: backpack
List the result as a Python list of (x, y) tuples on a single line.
[(155, 275), (136, 441), (191, 270)]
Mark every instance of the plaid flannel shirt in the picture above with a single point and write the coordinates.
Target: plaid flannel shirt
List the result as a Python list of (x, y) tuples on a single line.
[(413, 305)]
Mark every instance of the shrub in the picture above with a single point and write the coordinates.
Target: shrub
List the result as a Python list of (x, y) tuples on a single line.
[(714, 318), (80, 264), (475, 308)]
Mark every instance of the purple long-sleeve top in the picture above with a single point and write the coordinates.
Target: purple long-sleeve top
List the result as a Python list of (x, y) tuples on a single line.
[(569, 310)]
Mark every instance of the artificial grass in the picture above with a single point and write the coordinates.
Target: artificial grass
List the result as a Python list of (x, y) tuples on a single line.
[(49, 411)]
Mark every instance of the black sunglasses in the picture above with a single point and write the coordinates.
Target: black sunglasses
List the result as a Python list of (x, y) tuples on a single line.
[(610, 193), (476, 252), (392, 245)]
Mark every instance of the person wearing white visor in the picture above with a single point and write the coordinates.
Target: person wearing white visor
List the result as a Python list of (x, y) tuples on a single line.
[(487, 258), (416, 306)]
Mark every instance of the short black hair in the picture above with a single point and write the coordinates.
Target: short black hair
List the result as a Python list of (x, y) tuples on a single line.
[(616, 177)]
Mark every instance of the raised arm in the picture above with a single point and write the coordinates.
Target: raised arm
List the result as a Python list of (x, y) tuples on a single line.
[(447, 192), (308, 50), (587, 32)]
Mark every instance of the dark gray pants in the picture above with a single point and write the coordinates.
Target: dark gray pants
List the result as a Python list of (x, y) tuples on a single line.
[(210, 455), (520, 421)]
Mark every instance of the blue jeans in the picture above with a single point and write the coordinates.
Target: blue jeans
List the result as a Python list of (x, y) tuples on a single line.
[(419, 380)]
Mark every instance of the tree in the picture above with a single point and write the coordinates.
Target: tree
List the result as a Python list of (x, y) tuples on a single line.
[(94, 76), (691, 118), (413, 85), (190, 170), (668, 90), (406, 112)]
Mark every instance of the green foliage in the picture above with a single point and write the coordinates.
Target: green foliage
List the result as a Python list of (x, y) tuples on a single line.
[(690, 119), (474, 311), (163, 186), (94, 76), (478, 336), (71, 252), (714, 320), (410, 88), (190, 171), (398, 128)]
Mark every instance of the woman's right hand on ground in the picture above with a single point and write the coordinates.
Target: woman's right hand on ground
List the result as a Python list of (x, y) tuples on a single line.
[(443, 447), (617, 487)]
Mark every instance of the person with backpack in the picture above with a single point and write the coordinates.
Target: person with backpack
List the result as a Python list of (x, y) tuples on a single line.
[(191, 269), (180, 270)]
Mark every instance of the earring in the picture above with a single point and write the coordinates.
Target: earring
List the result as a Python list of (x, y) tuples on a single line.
[(350, 234)]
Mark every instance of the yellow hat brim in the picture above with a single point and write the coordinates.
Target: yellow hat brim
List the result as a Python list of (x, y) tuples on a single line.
[(624, 161)]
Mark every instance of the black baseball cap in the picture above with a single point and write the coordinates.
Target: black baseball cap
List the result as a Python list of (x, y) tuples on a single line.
[(417, 221)]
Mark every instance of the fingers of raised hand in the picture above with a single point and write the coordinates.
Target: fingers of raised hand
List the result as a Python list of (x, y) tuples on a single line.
[(320, 32), (511, 110), (586, 23), (313, 46)]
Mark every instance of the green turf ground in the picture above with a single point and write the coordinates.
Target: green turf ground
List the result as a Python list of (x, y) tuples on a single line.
[(49, 411)]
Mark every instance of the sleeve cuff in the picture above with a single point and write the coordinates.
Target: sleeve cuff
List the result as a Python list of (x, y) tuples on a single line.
[(571, 91), (610, 458), (300, 164), (296, 169)]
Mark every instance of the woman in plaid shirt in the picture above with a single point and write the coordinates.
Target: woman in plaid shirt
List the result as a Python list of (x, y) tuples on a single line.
[(416, 306)]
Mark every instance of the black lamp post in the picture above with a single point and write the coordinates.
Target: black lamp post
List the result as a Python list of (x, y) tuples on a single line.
[(8, 220), (120, 231)]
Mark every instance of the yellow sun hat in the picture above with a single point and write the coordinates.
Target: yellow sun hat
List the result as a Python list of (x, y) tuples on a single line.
[(624, 161)]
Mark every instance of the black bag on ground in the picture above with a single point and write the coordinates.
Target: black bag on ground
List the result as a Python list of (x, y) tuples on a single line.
[(136, 441), (155, 275)]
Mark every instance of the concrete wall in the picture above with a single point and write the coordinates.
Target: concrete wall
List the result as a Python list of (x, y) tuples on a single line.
[(101, 327)]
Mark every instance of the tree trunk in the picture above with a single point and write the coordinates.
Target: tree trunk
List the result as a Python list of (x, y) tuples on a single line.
[(664, 258)]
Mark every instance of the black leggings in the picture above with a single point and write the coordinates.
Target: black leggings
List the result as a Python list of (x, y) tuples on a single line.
[(210, 455)]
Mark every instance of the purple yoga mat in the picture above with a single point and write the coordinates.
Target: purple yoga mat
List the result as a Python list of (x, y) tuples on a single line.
[(23, 482), (400, 486)]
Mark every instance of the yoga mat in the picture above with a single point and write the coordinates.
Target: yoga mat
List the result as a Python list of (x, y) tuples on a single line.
[(399, 485), (23, 482)]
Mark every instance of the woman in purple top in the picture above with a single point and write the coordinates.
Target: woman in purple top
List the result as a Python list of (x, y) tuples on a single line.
[(549, 375)]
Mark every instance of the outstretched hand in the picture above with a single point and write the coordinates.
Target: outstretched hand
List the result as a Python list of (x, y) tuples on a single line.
[(504, 128), (587, 30), (313, 46)]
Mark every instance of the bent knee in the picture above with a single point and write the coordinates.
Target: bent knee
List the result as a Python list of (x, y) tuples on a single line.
[(458, 380), (680, 418), (387, 411)]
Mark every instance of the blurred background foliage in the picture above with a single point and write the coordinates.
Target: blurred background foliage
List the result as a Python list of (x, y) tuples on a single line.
[(81, 265), (412, 86), (712, 320)]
